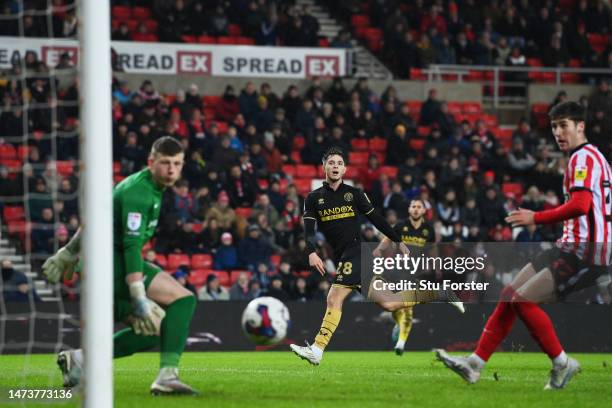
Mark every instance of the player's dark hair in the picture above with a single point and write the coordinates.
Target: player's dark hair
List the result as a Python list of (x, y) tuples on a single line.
[(419, 200), (167, 146), (568, 110), (333, 151)]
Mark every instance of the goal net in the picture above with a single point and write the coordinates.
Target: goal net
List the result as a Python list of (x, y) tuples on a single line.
[(42, 134)]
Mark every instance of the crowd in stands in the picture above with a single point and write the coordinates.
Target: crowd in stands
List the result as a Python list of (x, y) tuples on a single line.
[(415, 34), (250, 157)]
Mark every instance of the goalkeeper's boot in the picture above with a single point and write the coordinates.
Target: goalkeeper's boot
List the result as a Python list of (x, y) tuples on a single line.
[(168, 383), (308, 353), (460, 365), (452, 299), (560, 375), (70, 363)]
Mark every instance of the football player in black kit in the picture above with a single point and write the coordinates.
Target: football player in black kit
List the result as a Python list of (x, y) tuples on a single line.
[(335, 208), (414, 232)]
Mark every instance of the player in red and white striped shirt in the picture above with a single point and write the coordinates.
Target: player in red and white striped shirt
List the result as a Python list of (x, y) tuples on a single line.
[(581, 256)]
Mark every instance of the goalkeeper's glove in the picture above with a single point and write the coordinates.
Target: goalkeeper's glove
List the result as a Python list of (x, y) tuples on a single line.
[(147, 315), (60, 265)]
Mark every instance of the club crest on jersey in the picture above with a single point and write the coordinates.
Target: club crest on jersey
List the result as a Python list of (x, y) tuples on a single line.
[(580, 174), (321, 201), (134, 220), (348, 197)]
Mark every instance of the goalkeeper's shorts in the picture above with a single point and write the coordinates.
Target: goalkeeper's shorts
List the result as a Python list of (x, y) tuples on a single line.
[(122, 299)]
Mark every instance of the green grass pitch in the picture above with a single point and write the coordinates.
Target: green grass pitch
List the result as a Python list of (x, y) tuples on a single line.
[(345, 379)]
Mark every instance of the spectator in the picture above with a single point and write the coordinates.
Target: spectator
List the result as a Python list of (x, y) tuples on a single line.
[(213, 290), (228, 107), (273, 157), (219, 22), (263, 206), (240, 188), (225, 156), (248, 102), (555, 55), (396, 200), (322, 290), (519, 160), (300, 292), (491, 208), (276, 289), (253, 249), (226, 256), (241, 290), (222, 212), (430, 108), (15, 284), (268, 30), (529, 234), (43, 234), (181, 275), (183, 201), (397, 147)]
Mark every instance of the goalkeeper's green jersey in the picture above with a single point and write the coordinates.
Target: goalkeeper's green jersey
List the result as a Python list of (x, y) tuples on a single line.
[(136, 207)]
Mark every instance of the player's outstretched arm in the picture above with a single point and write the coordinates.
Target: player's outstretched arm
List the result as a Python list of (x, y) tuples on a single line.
[(579, 204), (62, 263)]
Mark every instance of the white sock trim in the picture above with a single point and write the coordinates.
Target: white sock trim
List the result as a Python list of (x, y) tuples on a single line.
[(317, 351), (476, 362), (560, 360)]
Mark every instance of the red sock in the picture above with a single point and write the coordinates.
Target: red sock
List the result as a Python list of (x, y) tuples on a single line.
[(498, 326), (539, 325)]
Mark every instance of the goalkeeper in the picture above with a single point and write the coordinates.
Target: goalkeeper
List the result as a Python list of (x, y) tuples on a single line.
[(156, 308)]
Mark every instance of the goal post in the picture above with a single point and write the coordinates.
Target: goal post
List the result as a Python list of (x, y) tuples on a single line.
[(97, 208)]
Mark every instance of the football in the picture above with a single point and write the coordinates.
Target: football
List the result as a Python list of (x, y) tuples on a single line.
[(265, 321)]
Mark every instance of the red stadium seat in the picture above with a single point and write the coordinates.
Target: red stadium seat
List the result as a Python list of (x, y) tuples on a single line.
[(305, 171), (514, 188), (245, 41), (8, 151), (295, 156), (417, 144), (415, 106), (390, 171), (211, 100), (162, 260), (275, 259), (189, 39), (416, 74), (304, 186), (141, 13), (64, 167), (201, 261), (475, 76), (574, 63), (359, 144), (197, 277), (234, 30), (323, 43), (352, 173), (289, 169), (471, 107), (423, 131), (233, 276), (11, 213), (121, 12), (176, 260), (23, 151), (598, 42), (378, 144), (197, 227), (534, 62), (151, 25), (227, 41), (540, 108), (373, 34), (263, 184), (360, 20), (224, 278), (358, 158), (244, 212), (299, 142), (13, 165), (207, 39)]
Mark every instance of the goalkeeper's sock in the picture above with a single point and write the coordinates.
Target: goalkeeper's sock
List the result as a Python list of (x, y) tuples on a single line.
[(331, 319), (126, 343), (403, 318), (175, 329), (498, 326)]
